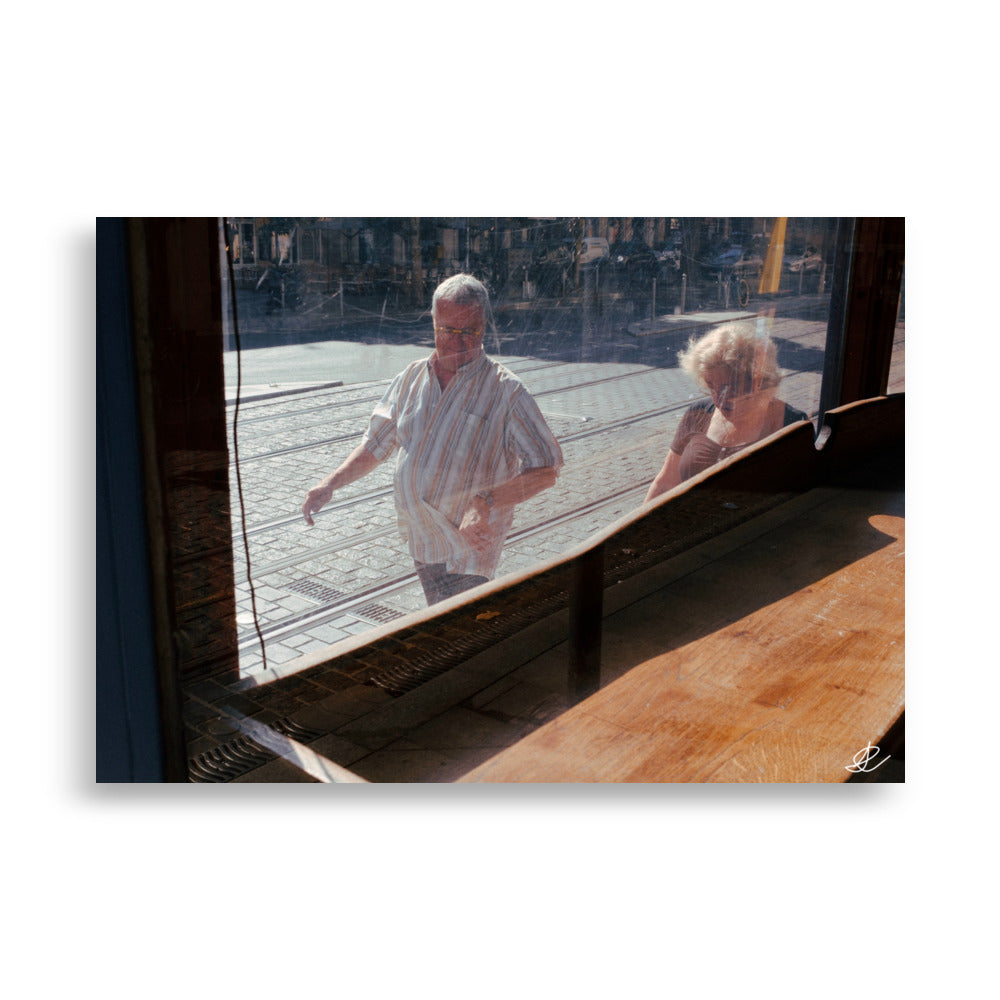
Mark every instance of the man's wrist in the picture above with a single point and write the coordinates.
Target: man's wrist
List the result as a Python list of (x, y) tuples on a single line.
[(486, 501)]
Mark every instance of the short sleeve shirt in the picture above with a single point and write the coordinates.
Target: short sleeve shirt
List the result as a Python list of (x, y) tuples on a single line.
[(697, 450), (481, 431)]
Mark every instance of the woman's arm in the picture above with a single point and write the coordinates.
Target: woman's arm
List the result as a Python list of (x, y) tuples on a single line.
[(667, 478)]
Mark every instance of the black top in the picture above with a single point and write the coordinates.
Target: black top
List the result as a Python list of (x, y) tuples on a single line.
[(698, 452)]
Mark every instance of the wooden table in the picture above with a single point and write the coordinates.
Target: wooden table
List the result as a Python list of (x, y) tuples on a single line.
[(777, 657)]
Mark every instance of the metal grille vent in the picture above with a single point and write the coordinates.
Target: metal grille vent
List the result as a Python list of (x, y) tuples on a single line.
[(314, 591), (321, 594), (428, 663), (241, 755), (378, 613)]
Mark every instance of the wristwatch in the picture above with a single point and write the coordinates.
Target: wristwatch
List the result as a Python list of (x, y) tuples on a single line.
[(487, 498)]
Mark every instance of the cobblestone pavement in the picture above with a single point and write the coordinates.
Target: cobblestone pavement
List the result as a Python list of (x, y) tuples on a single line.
[(614, 415)]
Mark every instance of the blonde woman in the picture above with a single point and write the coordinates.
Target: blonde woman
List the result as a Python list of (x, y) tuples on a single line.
[(738, 367)]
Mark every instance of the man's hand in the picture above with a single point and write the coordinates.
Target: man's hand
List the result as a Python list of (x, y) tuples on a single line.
[(476, 529), (316, 498), (359, 463)]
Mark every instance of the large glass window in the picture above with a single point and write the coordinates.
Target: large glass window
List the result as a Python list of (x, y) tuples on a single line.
[(590, 313)]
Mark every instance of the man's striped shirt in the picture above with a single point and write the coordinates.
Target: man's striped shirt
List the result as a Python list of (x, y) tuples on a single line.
[(480, 432)]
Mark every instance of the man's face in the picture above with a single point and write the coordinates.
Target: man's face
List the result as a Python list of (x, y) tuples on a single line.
[(455, 349)]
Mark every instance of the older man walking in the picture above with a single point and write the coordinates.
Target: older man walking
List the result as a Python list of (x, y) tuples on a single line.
[(470, 444)]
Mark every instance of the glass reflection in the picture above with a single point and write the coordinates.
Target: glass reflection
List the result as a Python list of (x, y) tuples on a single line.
[(591, 315)]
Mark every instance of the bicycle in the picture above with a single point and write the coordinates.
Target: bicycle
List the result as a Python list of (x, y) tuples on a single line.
[(733, 287)]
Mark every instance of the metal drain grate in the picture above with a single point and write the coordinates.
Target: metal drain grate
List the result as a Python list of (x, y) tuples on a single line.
[(314, 591), (320, 593), (241, 755), (377, 613)]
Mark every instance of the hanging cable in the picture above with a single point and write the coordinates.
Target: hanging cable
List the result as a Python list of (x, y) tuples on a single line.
[(236, 447)]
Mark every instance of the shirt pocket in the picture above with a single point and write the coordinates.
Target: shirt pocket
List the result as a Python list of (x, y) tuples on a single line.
[(470, 438)]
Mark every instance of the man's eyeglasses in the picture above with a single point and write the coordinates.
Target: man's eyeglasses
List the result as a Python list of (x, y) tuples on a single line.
[(450, 331)]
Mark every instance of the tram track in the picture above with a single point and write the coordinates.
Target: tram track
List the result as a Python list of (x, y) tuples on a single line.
[(339, 439), (518, 366), (346, 503), (340, 390), (358, 601)]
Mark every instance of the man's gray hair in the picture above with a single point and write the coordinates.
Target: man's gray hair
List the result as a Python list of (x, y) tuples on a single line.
[(463, 289)]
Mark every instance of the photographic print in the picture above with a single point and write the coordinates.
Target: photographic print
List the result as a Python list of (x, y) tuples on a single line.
[(498, 499)]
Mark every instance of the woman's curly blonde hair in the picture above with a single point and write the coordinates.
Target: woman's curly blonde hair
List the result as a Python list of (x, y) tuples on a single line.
[(738, 346)]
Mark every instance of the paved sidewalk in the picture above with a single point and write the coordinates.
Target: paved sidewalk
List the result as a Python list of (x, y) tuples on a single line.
[(267, 371)]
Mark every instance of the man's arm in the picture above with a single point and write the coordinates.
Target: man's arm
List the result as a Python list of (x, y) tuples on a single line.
[(359, 463), (475, 527), (523, 487)]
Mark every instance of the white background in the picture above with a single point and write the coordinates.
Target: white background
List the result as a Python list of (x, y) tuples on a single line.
[(514, 109)]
